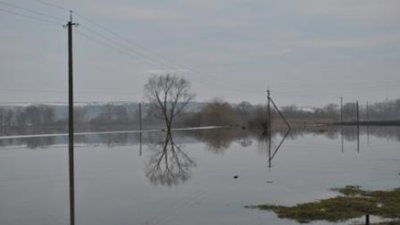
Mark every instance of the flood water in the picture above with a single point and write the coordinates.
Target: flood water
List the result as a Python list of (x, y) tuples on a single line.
[(191, 178)]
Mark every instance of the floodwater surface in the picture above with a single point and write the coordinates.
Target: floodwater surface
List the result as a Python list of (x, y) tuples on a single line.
[(190, 177)]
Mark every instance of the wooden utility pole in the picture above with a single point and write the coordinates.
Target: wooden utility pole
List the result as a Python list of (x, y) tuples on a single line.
[(140, 128), (367, 123), (269, 111), (341, 110), (140, 117), (269, 128), (269, 125), (358, 127), (341, 122), (358, 114), (69, 25)]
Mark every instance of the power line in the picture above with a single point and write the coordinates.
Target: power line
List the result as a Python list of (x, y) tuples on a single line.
[(129, 42), (32, 11), (60, 91), (130, 52), (52, 5), (123, 39), (29, 17), (111, 46), (326, 91), (234, 90), (76, 103), (125, 48), (59, 19), (160, 59)]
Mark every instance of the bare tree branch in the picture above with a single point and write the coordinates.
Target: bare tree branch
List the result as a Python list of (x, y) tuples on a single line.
[(168, 94)]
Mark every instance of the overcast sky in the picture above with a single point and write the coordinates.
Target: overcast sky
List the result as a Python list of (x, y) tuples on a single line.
[(309, 53)]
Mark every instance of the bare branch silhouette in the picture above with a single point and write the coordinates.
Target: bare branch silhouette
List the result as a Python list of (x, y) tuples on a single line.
[(169, 164)]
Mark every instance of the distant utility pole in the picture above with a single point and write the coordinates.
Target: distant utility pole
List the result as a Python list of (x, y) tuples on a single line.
[(140, 117), (69, 25), (269, 111), (367, 123), (341, 110), (269, 124), (341, 122), (269, 128), (358, 127), (358, 114), (140, 128)]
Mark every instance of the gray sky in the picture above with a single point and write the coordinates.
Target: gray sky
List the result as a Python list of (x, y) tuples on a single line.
[(308, 52)]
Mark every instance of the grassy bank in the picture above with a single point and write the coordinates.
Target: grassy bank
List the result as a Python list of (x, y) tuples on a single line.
[(352, 203)]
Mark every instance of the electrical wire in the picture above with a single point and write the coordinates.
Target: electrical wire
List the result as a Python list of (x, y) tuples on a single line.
[(29, 17), (61, 91), (52, 5), (132, 52), (101, 42), (111, 39), (158, 57), (116, 39), (111, 43), (161, 59), (48, 16), (125, 41)]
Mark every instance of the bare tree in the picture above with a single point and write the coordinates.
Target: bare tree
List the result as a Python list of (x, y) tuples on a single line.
[(218, 113), (168, 96)]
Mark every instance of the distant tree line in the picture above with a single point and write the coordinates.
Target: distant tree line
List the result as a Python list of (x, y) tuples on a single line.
[(221, 113), (33, 115), (52, 116), (388, 110), (244, 114), (214, 113)]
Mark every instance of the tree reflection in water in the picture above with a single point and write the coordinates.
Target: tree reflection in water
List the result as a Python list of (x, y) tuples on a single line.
[(168, 164), (42, 142), (218, 140)]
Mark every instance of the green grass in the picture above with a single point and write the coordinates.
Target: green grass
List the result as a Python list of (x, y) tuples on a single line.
[(352, 203)]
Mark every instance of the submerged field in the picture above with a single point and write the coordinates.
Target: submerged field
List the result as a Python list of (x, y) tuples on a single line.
[(202, 177)]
